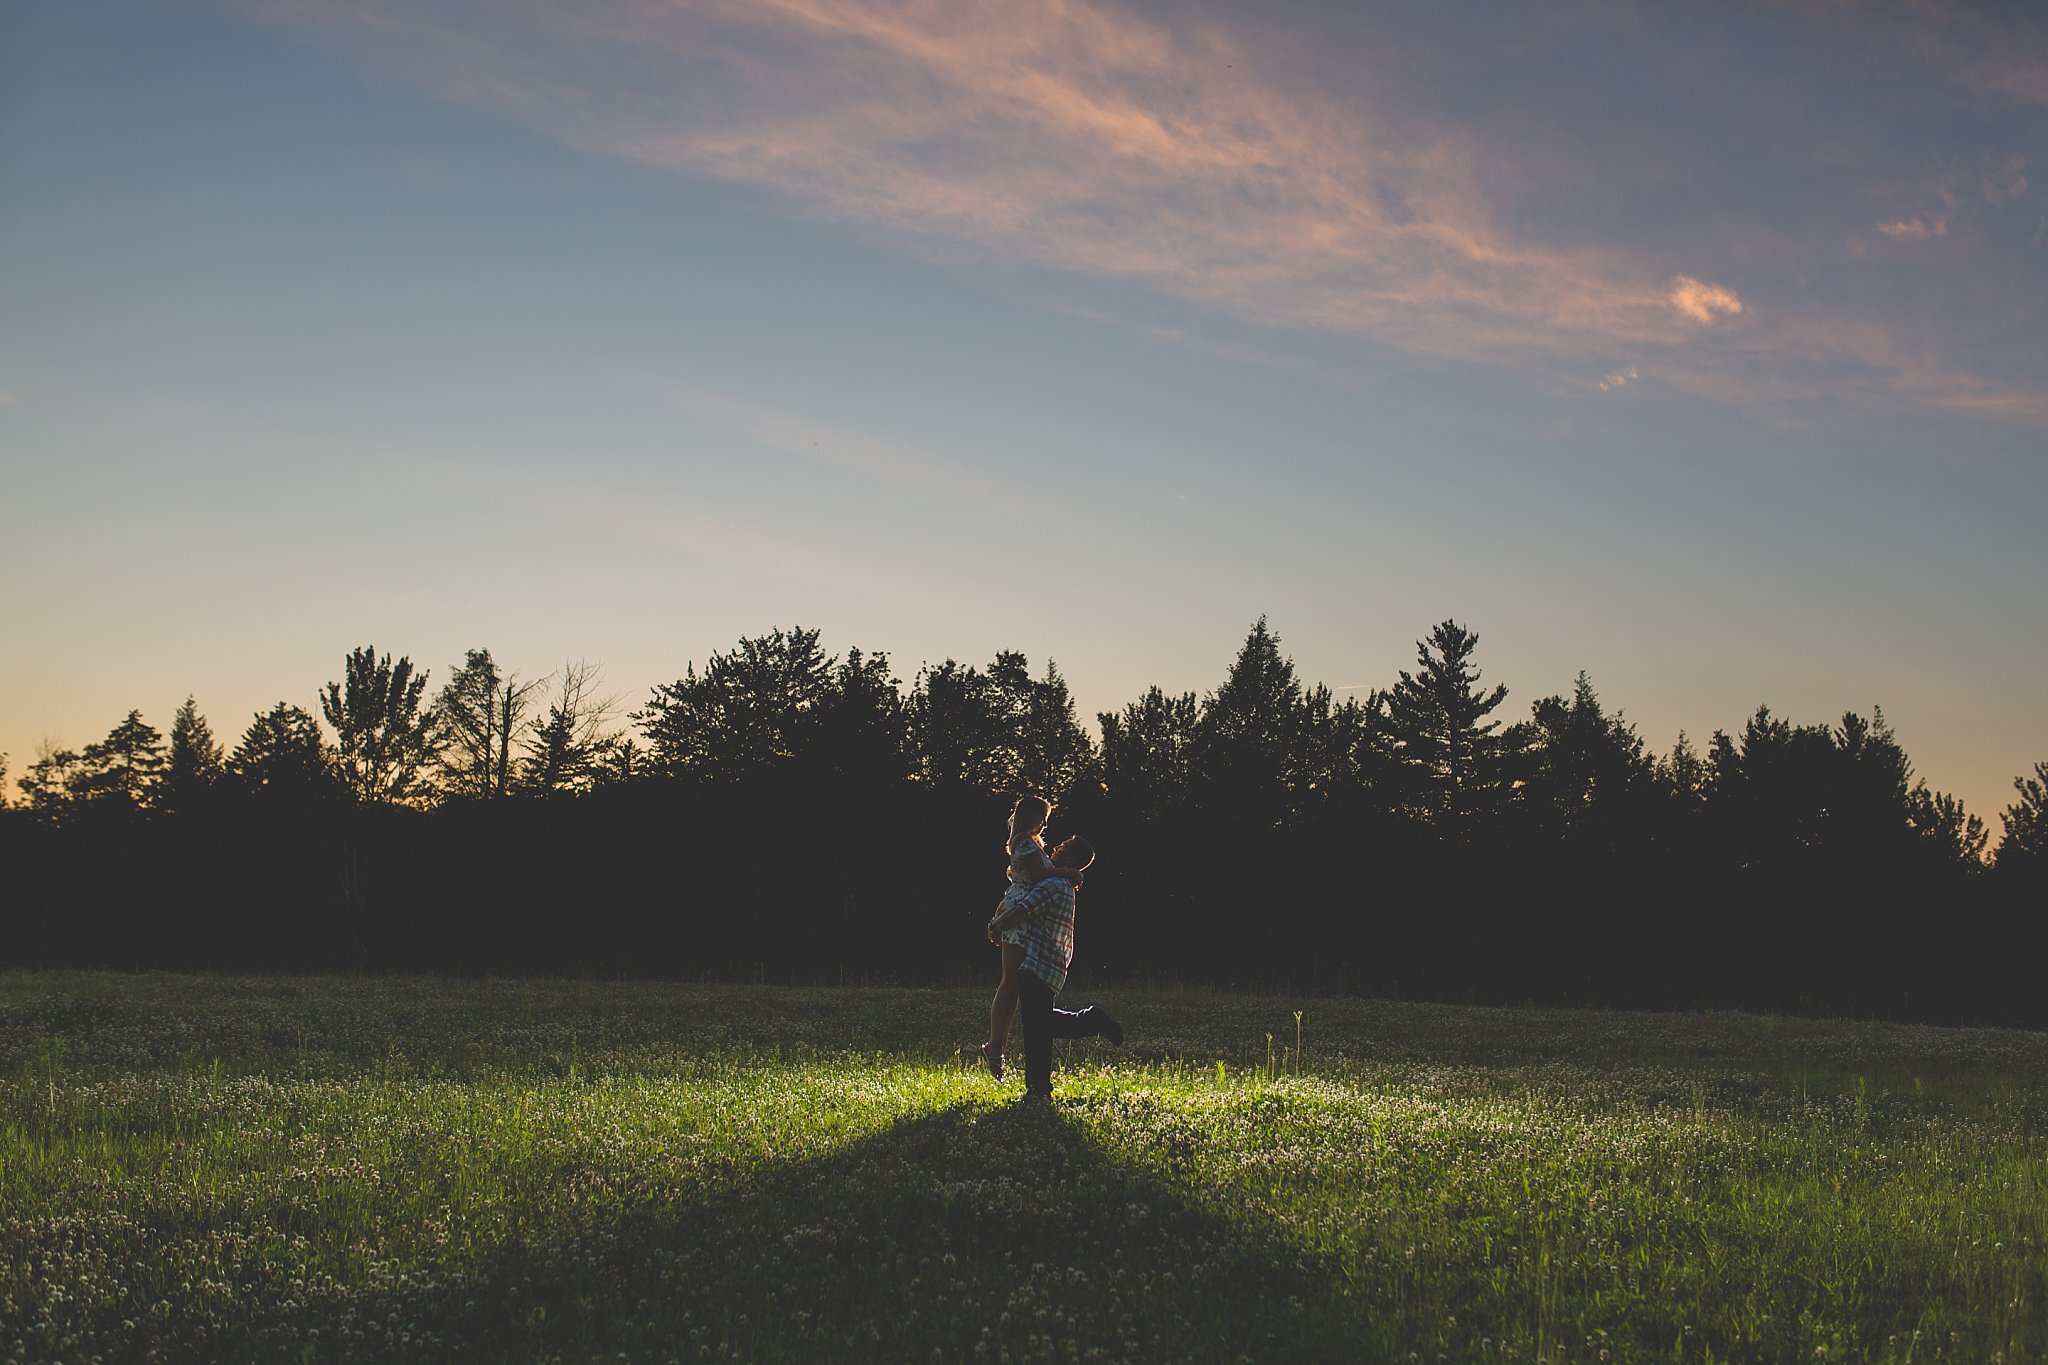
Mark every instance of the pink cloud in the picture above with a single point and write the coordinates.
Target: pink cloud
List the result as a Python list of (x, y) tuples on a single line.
[(1074, 136), (1914, 229), (1702, 302)]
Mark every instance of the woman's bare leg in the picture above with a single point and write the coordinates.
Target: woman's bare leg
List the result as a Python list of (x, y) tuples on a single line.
[(1003, 1008)]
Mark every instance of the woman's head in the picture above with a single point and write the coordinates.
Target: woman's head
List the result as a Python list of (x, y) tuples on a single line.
[(1029, 815)]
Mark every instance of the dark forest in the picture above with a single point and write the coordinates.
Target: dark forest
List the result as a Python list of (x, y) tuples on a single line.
[(788, 814)]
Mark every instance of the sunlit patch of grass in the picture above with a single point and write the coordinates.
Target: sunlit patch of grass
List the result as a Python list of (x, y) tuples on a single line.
[(350, 1169)]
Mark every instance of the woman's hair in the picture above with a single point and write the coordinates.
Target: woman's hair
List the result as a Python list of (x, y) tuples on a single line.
[(1029, 813)]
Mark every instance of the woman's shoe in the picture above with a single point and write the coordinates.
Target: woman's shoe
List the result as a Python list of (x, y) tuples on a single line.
[(993, 1060)]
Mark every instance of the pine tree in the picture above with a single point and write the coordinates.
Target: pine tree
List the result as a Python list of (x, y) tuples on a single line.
[(1684, 775), (2023, 850), (1452, 760), (123, 771), (1588, 771), (282, 756), (1249, 745), (196, 764), (1787, 794), (386, 739), (1326, 740)]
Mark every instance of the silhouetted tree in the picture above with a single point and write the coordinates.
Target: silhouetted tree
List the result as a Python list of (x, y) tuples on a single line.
[(1343, 751), (957, 737), (282, 756), (46, 785), (196, 764), (617, 760), (1148, 754), (475, 716), (121, 772), (1951, 837), (1814, 821), (999, 732), (951, 727), (385, 739), (1684, 775), (1056, 756), (1007, 694), (1770, 789), (1791, 867), (564, 748), (749, 712), (1871, 813), (2023, 848), (1453, 762), (1589, 776), (862, 726), (1248, 741)]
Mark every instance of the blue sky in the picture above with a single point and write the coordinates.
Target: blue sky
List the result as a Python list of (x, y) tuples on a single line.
[(1700, 347)]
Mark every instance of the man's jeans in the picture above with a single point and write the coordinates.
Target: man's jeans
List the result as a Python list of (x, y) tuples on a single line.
[(1042, 1024)]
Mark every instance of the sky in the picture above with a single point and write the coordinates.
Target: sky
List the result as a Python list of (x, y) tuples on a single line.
[(1697, 347)]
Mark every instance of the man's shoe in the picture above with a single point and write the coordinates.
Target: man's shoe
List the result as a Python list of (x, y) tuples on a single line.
[(1105, 1027)]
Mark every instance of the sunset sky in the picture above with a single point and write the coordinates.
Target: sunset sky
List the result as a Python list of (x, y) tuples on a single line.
[(1703, 347)]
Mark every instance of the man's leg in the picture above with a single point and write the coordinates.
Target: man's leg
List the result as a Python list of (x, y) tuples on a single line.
[(1040, 1019), (1087, 1022), (1043, 1023)]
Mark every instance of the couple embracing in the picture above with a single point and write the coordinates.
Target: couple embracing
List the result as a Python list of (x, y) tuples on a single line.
[(1034, 927)]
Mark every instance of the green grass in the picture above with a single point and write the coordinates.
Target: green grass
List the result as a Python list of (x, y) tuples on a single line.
[(206, 1168)]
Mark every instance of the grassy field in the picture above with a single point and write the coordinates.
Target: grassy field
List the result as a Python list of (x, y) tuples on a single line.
[(206, 1168)]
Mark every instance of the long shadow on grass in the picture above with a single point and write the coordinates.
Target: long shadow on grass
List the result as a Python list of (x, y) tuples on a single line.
[(955, 1236)]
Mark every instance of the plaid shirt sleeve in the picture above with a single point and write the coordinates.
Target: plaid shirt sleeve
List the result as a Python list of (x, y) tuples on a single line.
[(1042, 896)]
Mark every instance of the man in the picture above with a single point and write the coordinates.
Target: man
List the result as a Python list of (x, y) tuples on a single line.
[(1046, 914)]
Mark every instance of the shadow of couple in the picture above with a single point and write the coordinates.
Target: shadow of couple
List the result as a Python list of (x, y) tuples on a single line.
[(970, 1233)]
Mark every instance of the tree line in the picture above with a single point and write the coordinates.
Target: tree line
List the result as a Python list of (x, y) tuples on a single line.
[(785, 811)]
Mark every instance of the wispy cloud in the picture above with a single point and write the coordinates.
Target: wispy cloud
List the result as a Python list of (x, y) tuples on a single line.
[(1176, 162), (1618, 379), (1063, 135)]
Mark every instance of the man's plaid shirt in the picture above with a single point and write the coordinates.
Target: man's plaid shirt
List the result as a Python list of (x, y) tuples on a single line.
[(1046, 915)]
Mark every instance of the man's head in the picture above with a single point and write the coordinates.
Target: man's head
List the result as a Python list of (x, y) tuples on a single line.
[(1074, 854)]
